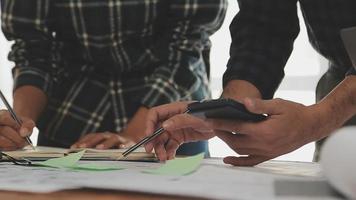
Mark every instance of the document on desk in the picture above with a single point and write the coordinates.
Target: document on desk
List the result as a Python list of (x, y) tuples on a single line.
[(44, 153), (178, 166), (71, 162), (208, 181)]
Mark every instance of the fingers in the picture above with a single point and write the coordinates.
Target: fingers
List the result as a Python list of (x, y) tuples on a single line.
[(107, 143), (183, 121), (251, 160), (13, 136), (161, 152), (27, 127), (171, 148), (167, 144), (259, 106), (149, 147), (124, 142), (192, 135), (158, 144), (6, 144), (90, 140), (102, 141), (233, 126), (114, 141), (7, 120), (235, 141), (161, 113)]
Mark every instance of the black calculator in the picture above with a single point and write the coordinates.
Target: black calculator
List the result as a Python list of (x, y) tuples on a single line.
[(223, 109)]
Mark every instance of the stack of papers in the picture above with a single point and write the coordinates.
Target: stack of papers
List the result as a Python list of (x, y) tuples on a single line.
[(177, 167), (71, 162), (210, 180), (44, 153)]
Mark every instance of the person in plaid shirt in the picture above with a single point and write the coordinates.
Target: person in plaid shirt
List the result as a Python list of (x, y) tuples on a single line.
[(87, 71), (263, 33)]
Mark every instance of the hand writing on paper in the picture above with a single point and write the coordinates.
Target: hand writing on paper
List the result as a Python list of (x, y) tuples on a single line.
[(12, 136), (104, 140), (180, 128)]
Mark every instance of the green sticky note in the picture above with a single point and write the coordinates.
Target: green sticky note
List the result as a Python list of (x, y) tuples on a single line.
[(63, 162), (94, 167), (71, 162), (179, 166)]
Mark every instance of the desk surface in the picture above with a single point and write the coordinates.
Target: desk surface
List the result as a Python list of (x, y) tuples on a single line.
[(84, 195), (274, 167)]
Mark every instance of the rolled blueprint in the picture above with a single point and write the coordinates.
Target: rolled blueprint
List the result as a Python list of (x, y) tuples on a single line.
[(338, 160)]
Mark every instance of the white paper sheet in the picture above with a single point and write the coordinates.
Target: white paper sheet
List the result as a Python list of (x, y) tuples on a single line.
[(213, 181), (338, 159)]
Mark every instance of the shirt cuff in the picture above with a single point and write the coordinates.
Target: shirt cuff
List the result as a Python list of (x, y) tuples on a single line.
[(33, 77), (266, 84), (352, 71)]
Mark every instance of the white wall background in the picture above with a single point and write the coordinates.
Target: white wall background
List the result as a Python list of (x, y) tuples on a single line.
[(302, 72)]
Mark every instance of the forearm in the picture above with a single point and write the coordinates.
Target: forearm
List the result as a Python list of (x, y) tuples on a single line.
[(29, 102), (239, 89), (337, 107), (135, 129)]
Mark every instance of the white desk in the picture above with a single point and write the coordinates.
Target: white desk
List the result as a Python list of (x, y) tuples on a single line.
[(213, 180)]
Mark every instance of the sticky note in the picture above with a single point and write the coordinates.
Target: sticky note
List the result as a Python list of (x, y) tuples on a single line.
[(63, 162), (71, 162), (95, 167), (179, 166)]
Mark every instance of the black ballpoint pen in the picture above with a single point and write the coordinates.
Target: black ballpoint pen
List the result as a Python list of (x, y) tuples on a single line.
[(14, 116), (144, 141)]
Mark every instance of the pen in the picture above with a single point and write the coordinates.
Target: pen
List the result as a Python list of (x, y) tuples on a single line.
[(145, 140), (14, 116)]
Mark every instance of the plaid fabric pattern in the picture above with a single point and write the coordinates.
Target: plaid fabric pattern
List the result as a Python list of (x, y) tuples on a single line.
[(98, 61), (263, 33)]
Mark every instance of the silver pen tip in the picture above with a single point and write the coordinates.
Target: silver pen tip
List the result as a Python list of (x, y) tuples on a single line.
[(120, 158)]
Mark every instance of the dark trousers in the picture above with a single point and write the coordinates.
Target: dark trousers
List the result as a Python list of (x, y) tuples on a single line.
[(325, 85)]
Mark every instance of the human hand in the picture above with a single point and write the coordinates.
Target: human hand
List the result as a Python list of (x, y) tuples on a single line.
[(289, 126), (12, 136), (133, 133), (179, 128), (104, 140)]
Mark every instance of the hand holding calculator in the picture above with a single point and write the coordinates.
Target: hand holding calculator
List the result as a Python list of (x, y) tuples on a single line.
[(214, 109)]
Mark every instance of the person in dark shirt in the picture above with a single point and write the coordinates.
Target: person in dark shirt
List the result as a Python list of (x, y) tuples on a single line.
[(88, 71), (263, 33)]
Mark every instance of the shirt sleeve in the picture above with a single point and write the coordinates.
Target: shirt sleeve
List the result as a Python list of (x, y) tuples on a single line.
[(27, 24), (263, 33), (352, 71), (180, 49)]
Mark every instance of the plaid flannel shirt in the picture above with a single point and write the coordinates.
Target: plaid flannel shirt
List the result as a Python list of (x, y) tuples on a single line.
[(263, 33), (98, 61)]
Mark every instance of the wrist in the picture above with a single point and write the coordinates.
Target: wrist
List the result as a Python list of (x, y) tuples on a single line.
[(322, 120), (337, 107), (240, 89)]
